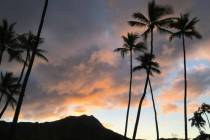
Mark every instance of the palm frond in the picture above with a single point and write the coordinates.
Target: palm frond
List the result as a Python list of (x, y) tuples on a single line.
[(123, 51), (141, 18), (192, 23), (163, 30), (196, 34), (136, 23), (140, 47), (155, 11), (39, 53), (156, 70), (138, 68), (145, 34), (167, 22), (176, 34)]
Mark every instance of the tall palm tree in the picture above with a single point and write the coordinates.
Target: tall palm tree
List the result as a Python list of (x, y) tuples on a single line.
[(154, 20), (185, 28), (130, 45), (145, 63), (198, 121), (8, 42), (25, 81), (8, 86)]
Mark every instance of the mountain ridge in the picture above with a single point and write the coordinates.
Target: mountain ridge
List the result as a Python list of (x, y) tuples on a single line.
[(69, 128)]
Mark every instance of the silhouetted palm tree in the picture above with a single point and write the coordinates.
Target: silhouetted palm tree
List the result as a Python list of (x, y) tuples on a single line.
[(185, 28), (27, 42), (130, 45), (205, 108), (154, 19), (8, 42), (8, 86), (25, 81), (198, 121), (145, 63)]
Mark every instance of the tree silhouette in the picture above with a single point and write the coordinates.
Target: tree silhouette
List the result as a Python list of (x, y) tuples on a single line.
[(130, 45), (8, 87), (24, 43), (198, 121), (8, 42), (156, 19), (25, 81), (185, 28), (204, 109), (27, 42), (145, 63)]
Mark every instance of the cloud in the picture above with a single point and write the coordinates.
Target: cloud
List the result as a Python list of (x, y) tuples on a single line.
[(198, 85), (170, 108)]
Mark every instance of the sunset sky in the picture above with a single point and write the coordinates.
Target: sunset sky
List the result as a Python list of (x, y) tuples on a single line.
[(85, 76)]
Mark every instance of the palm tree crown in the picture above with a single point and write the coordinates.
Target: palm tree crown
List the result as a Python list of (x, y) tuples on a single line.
[(146, 61), (186, 27), (130, 44), (8, 86), (27, 41), (205, 108), (198, 121), (154, 19), (8, 42)]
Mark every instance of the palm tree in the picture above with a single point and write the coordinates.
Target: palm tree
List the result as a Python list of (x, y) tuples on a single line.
[(185, 28), (130, 45), (8, 42), (8, 86), (204, 109), (198, 121), (25, 81), (24, 42), (145, 63), (154, 20), (27, 42)]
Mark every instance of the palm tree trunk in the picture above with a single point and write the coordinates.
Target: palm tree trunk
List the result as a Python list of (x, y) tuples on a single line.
[(23, 69), (4, 108), (144, 93), (155, 112), (20, 99), (130, 91), (185, 89)]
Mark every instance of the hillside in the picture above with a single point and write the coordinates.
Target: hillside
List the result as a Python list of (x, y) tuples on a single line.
[(70, 128)]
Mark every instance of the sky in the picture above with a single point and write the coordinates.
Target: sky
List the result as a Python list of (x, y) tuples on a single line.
[(85, 76)]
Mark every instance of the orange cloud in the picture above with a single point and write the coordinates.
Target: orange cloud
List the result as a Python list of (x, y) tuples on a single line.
[(170, 108)]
